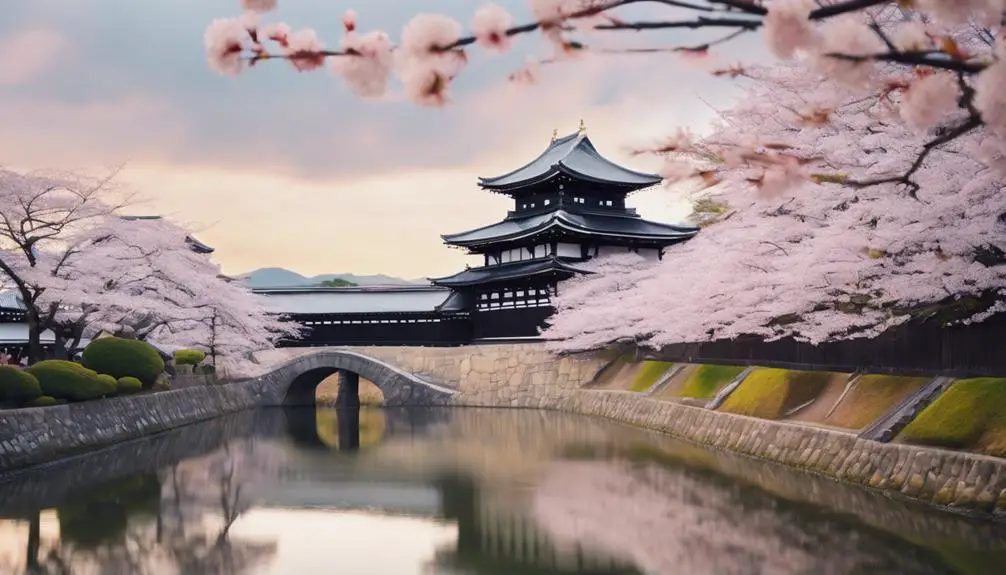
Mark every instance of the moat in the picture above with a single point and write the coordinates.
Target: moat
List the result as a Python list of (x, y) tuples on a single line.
[(462, 491)]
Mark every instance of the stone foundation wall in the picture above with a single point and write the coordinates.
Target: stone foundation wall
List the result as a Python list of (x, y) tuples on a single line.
[(493, 375), (38, 435), (958, 480)]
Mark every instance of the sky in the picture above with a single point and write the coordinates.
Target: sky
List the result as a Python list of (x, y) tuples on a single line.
[(287, 169)]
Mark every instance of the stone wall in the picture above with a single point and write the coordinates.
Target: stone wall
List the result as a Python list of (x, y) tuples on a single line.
[(43, 434), (958, 480), (493, 375)]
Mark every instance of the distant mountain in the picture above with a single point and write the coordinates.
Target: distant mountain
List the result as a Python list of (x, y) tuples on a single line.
[(280, 277)]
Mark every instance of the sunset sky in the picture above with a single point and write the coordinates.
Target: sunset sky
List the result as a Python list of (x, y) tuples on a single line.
[(276, 168)]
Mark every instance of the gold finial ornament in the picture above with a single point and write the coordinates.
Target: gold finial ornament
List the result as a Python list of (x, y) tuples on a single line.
[(555, 134), (583, 127)]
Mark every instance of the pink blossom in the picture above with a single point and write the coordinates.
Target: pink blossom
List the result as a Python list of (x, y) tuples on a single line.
[(426, 82), (349, 20), (990, 96), (278, 32), (490, 24), (429, 33), (555, 11), (788, 28), (782, 178), (929, 100), (366, 72), (955, 12), (223, 40), (676, 170), (912, 36), (250, 20), (426, 63), (849, 35), (304, 50)]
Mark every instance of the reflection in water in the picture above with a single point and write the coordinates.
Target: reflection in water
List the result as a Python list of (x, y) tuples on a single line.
[(464, 492)]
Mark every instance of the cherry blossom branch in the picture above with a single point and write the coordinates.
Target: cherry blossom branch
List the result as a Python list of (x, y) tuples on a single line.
[(970, 124)]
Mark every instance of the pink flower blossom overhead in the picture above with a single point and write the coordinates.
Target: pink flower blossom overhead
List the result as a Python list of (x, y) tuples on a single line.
[(489, 24)]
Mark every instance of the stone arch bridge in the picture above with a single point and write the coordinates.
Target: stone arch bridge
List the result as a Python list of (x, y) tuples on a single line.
[(293, 382), (498, 375)]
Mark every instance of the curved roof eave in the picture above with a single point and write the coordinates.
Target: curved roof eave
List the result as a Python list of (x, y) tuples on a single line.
[(563, 168), (559, 221)]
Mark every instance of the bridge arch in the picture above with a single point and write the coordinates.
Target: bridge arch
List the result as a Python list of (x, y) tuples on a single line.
[(293, 382)]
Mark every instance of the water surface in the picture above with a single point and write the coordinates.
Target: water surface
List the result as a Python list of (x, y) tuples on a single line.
[(462, 491)]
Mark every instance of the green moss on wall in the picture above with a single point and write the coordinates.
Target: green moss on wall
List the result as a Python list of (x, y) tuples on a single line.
[(970, 415), (871, 397), (770, 393), (705, 381), (648, 374)]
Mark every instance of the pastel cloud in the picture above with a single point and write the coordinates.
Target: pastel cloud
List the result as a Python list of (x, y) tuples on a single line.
[(28, 54), (280, 168)]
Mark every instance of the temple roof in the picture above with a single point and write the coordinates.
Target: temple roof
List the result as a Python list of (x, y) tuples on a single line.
[(11, 300), (594, 224), (576, 156), (508, 271), (348, 300)]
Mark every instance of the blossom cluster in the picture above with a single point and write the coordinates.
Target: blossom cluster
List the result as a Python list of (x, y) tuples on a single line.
[(821, 262)]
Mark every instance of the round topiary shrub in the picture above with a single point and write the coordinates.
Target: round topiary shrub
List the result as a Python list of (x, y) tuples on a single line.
[(44, 401), (123, 358), (189, 356), (128, 385), (108, 384), (67, 380), (18, 386)]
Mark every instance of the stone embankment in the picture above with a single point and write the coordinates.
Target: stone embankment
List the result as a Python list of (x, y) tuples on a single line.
[(33, 436), (956, 480)]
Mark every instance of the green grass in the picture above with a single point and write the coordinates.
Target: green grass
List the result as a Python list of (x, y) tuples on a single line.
[(705, 381), (769, 393), (970, 415), (871, 397), (648, 374)]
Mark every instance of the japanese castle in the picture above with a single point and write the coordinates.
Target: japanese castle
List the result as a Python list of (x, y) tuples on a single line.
[(569, 205)]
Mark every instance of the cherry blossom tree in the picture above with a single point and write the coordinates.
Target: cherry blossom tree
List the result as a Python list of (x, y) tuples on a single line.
[(172, 294), (827, 262), (79, 268), (50, 224)]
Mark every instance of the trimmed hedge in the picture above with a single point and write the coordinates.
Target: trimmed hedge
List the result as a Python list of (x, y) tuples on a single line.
[(128, 385), (108, 384), (189, 356), (120, 357), (17, 385), (44, 401), (67, 380)]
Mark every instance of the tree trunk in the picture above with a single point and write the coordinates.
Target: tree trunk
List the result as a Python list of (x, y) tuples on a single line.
[(59, 347), (34, 338), (34, 542)]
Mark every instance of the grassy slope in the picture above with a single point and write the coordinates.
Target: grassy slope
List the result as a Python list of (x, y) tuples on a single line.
[(970, 415), (871, 397), (769, 393), (705, 381), (649, 373)]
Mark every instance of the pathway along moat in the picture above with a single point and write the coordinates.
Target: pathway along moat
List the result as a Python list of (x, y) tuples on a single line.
[(463, 491)]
